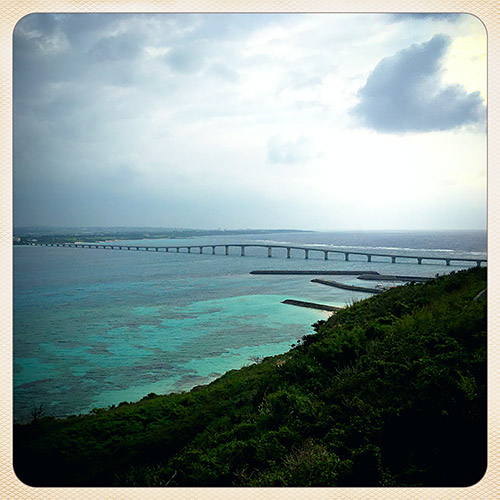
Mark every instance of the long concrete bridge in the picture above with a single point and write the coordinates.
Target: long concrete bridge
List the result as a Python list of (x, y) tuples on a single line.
[(243, 246)]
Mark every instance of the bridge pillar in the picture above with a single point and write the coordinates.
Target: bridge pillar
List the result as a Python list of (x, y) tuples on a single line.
[(242, 251), (288, 252), (369, 258), (346, 256), (201, 249), (306, 252), (156, 248), (419, 260), (213, 250), (269, 251), (178, 249), (447, 262), (189, 249), (393, 260), (326, 254), (478, 262), (227, 249)]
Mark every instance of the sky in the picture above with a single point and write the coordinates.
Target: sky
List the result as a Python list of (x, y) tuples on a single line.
[(303, 121)]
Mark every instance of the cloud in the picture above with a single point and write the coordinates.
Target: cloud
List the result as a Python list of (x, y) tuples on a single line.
[(404, 93), (140, 113), (219, 70), (186, 59), (422, 16), (117, 47), (282, 151)]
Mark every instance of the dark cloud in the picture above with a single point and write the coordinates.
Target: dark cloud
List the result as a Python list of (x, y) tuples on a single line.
[(404, 93)]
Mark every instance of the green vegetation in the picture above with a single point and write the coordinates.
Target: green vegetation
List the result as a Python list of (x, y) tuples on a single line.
[(390, 391)]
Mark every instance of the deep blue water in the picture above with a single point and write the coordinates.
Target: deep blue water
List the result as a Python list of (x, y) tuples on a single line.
[(93, 327)]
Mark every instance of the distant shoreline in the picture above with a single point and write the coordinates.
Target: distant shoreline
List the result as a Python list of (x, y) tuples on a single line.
[(29, 237)]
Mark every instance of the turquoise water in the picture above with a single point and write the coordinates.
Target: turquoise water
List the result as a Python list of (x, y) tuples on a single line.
[(93, 328)]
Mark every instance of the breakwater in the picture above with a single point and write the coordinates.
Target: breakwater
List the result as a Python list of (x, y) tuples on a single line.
[(386, 277), (317, 273), (336, 284), (311, 305)]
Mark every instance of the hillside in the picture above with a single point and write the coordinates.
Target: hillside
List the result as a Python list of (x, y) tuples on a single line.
[(390, 391)]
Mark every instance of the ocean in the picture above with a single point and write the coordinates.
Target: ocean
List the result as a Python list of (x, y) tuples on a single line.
[(95, 327)]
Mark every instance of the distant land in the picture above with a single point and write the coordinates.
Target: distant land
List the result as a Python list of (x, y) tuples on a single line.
[(27, 235)]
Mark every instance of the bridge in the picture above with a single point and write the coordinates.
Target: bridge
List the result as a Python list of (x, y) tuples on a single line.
[(243, 246)]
